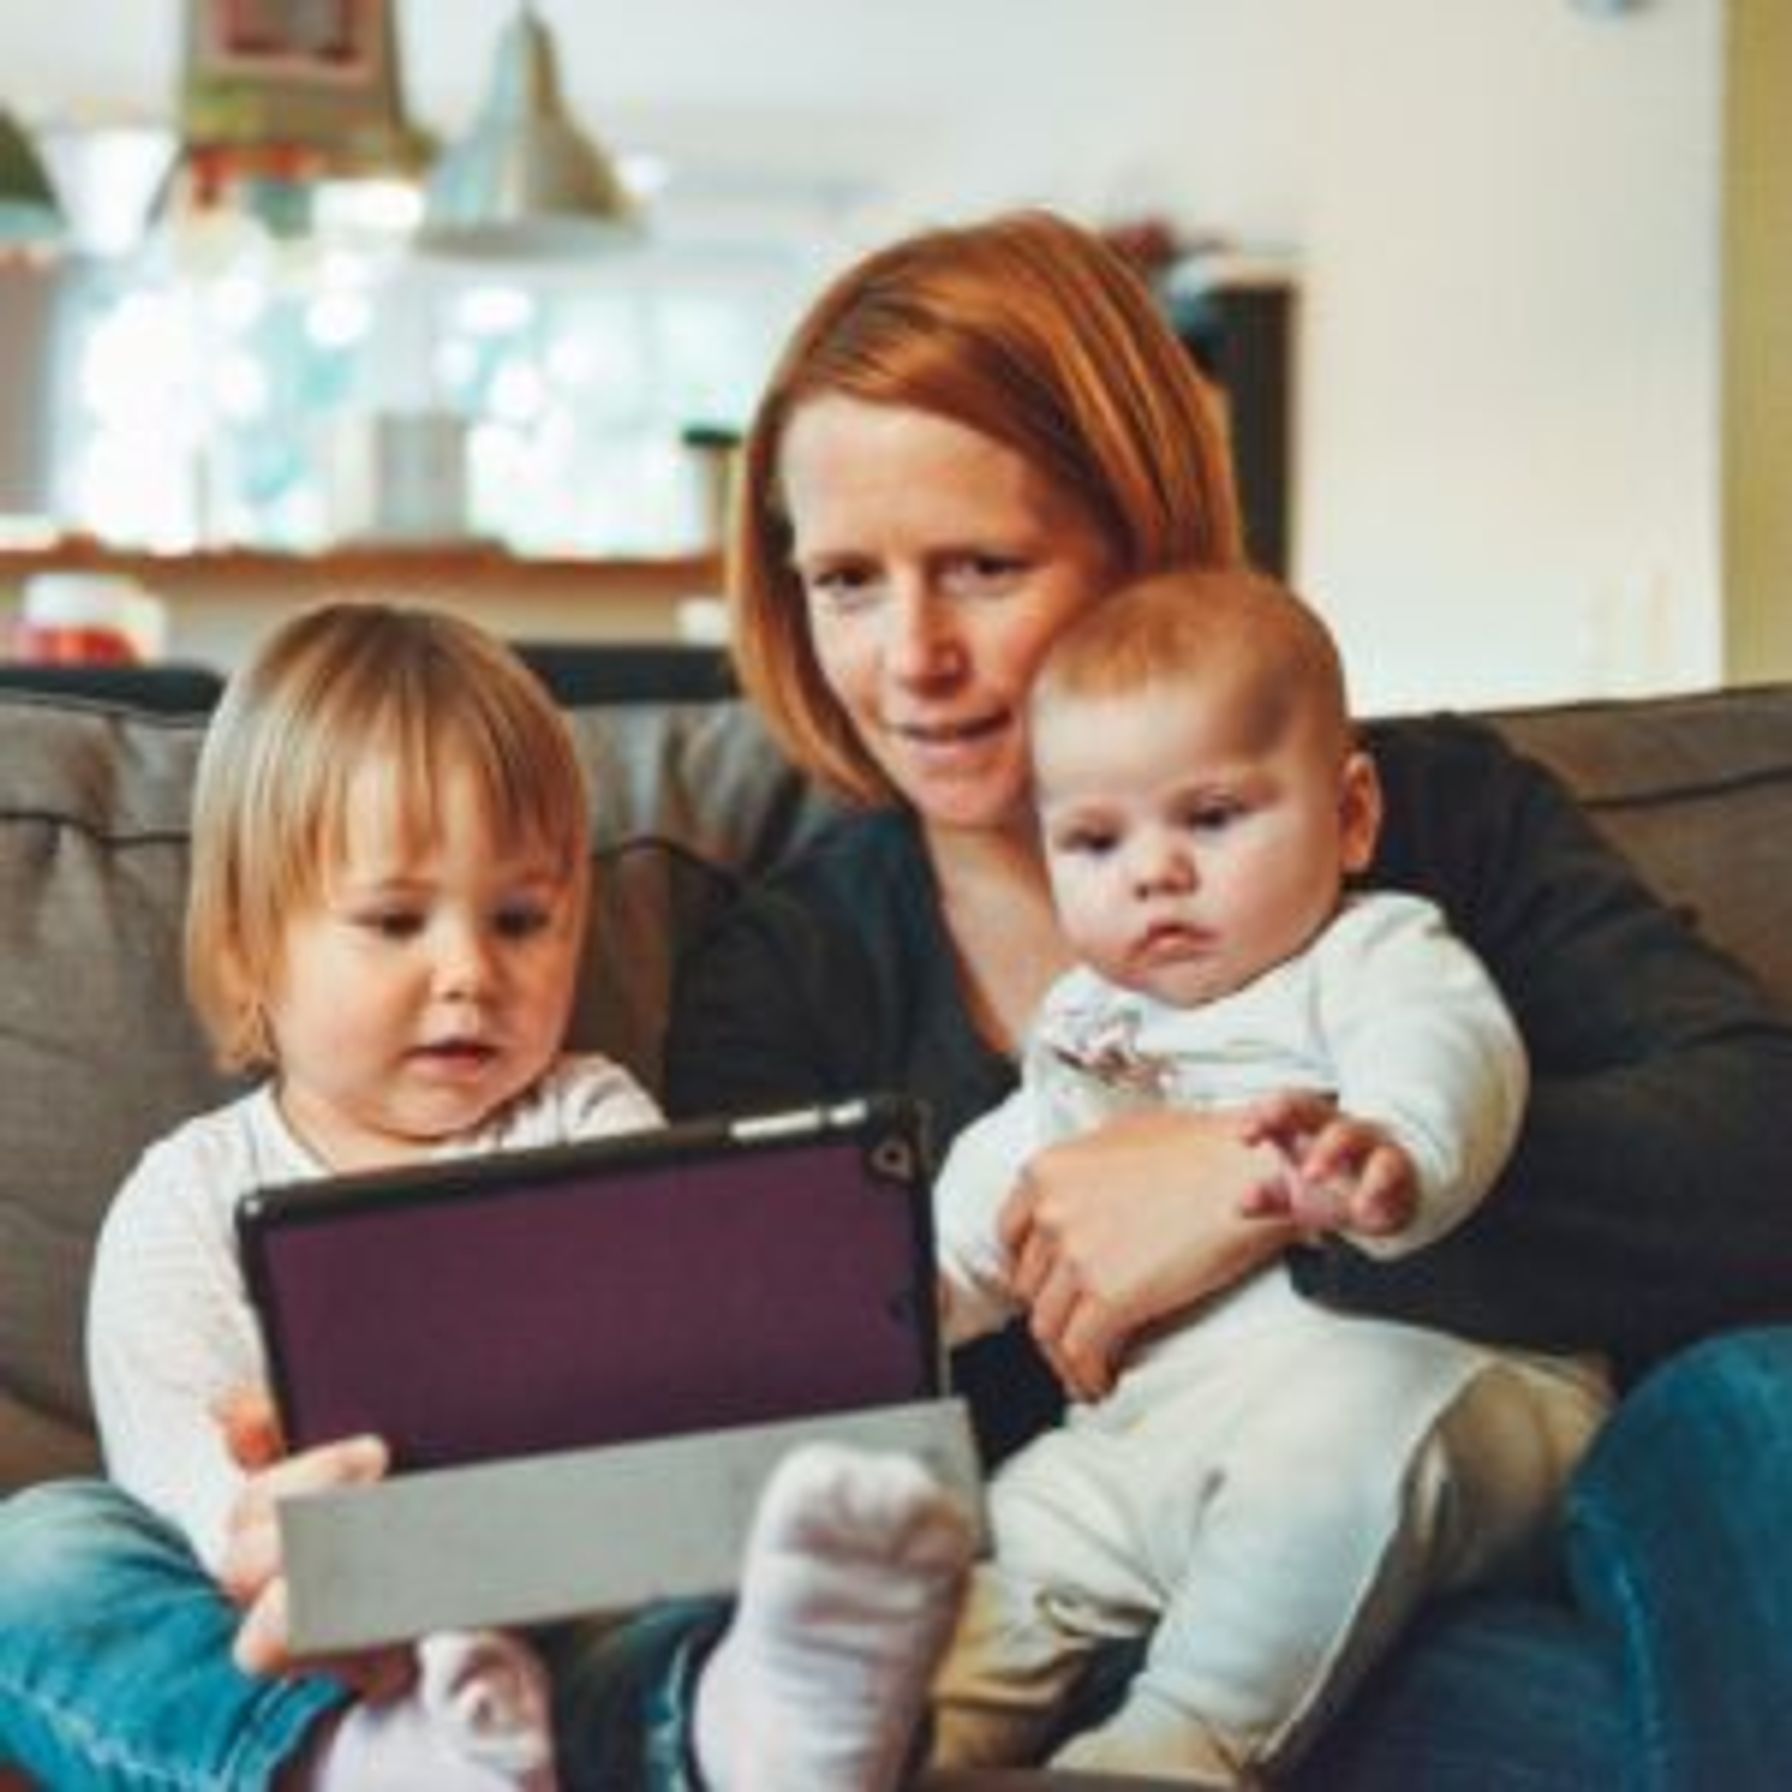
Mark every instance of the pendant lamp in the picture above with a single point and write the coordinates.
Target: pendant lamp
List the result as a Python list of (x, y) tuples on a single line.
[(28, 209), (274, 100), (525, 180)]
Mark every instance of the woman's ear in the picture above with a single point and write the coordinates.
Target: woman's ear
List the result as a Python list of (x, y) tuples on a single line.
[(1359, 811)]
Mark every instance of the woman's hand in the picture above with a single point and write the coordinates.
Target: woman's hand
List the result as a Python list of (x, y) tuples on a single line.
[(1118, 1228), (251, 1571)]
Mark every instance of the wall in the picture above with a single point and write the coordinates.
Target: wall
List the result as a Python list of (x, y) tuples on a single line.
[(1510, 432), (1505, 214), (1757, 439)]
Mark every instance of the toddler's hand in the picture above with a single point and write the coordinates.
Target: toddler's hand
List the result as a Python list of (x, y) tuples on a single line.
[(251, 1571), (251, 1427)]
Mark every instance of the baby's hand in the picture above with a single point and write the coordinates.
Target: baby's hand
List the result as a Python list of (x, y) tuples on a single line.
[(251, 1571), (1344, 1174)]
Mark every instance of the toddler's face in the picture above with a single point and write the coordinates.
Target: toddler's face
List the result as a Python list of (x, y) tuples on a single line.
[(428, 984), (1182, 864)]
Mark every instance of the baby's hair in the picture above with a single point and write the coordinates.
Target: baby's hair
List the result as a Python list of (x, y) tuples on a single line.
[(411, 694), (1229, 628)]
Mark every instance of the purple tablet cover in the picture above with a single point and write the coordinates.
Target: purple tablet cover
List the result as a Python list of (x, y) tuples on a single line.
[(641, 1288)]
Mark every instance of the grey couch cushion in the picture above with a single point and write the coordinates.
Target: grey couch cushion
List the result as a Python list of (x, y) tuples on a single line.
[(96, 1052), (1697, 790), (98, 1055)]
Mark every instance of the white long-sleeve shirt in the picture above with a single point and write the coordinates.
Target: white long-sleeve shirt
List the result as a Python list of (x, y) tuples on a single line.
[(1386, 1011), (169, 1325)]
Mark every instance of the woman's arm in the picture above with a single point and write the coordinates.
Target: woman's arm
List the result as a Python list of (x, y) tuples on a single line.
[(1126, 1225), (1650, 1197)]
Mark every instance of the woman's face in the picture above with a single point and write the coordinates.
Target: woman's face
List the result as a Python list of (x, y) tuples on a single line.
[(938, 566)]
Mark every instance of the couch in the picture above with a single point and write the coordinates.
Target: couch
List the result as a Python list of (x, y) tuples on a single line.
[(98, 1055)]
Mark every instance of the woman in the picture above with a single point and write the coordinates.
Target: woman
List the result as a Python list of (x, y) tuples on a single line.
[(971, 436)]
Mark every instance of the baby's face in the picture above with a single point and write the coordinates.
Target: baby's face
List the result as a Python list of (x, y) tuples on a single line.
[(1183, 863), (428, 983)]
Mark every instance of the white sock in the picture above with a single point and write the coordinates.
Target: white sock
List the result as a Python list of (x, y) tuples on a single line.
[(848, 1596), (487, 1694), (398, 1746)]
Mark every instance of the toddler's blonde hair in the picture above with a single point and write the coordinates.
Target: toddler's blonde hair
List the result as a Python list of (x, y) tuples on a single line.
[(410, 694)]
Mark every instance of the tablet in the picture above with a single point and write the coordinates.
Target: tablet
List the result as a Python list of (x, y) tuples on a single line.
[(713, 1274)]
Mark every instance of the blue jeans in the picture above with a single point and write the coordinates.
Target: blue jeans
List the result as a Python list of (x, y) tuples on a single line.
[(115, 1666), (115, 1669), (1666, 1667)]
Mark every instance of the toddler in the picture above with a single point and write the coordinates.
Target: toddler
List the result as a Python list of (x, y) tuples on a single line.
[(389, 893), (1269, 1489)]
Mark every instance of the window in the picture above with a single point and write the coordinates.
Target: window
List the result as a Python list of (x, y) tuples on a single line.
[(229, 386)]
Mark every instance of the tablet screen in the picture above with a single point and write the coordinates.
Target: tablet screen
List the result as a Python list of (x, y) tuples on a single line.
[(715, 1274)]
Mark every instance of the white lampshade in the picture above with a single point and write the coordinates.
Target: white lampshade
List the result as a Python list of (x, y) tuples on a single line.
[(109, 179)]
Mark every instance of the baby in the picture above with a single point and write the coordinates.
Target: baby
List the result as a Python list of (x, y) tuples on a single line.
[(1270, 1489)]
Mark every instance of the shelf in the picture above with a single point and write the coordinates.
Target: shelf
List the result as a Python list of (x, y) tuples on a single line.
[(401, 567)]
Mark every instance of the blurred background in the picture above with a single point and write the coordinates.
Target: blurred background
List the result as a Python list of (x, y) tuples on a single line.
[(1501, 291)]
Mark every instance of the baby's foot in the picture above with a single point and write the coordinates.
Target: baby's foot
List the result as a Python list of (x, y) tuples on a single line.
[(486, 1695), (848, 1596)]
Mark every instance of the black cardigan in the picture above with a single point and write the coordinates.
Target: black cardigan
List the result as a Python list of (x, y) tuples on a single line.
[(1649, 1200)]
